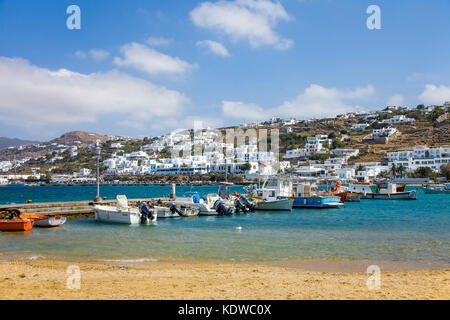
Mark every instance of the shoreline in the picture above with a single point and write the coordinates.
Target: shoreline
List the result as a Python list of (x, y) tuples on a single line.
[(342, 265), (198, 280)]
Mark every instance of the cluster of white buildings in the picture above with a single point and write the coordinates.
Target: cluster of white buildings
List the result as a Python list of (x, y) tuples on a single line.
[(316, 144), (5, 166), (215, 156), (433, 158)]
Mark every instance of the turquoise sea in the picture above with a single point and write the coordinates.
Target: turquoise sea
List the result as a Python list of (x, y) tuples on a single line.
[(372, 229)]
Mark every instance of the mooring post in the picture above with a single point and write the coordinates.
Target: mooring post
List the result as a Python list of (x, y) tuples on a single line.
[(173, 194)]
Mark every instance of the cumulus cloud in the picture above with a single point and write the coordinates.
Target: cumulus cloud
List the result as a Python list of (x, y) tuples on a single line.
[(251, 20), (241, 110), (214, 47), (316, 101), (435, 95), (152, 62), (395, 100), (158, 41), (37, 97), (96, 54)]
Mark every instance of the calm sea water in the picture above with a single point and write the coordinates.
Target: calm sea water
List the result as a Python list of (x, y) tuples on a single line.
[(372, 229)]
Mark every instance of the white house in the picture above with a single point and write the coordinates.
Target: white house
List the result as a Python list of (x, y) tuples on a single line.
[(399, 120), (384, 132), (359, 126)]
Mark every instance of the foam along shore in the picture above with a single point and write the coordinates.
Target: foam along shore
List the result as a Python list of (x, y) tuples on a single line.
[(47, 279)]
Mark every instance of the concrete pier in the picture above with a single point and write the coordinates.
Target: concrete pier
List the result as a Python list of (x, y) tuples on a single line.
[(71, 209)]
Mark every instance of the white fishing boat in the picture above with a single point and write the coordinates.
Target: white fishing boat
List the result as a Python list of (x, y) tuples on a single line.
[(175, 212), (383, 191), (275, 194), (211, 205), (122, 213)]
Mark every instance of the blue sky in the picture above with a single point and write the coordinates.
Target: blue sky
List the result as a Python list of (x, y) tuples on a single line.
[(141, 68)]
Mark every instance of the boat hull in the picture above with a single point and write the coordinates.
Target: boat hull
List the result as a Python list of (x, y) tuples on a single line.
[(436, 191), (318, 202), (16, 225), (112, 215), (44, 221), (411, 195), (50, 222), (275, 205)]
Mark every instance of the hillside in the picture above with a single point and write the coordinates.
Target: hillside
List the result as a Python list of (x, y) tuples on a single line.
[(70, 138), (14, 142)]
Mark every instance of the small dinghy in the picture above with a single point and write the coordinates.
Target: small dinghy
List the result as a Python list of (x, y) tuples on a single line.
[(44, 221), (16, 225), (11, 220)]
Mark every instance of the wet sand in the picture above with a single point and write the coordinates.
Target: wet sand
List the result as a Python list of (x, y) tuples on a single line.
[(315, 279)]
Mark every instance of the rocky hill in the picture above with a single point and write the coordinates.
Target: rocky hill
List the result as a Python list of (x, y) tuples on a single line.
[(70, 138), (14, 142)]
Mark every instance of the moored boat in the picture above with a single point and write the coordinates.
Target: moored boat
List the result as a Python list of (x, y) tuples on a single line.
[(437, 190), (305, 196), (383, 191), (44, 221), (274, 195), (124, 214), (16, 224)]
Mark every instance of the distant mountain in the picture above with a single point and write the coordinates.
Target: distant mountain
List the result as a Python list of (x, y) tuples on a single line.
[(14, 142), (69, 138)]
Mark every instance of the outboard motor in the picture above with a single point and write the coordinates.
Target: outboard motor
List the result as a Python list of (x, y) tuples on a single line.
[(146, 213), (221, 209), (174, 210), (239, 206), (250, 206)]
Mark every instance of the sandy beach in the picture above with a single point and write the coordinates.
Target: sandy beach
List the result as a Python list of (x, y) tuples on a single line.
[(47, 279)]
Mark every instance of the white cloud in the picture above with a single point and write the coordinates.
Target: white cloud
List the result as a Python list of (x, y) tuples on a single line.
[(214, 47), (316, 101), (158, 41), (252, 20), (241, 110), (152, 62), (395, 100), (96, 54), (37, 97), (435, 95)]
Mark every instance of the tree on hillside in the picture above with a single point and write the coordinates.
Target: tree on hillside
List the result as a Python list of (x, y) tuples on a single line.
[(423, 172), (401, 170), (246, 167), (445, 171), (394, 170)]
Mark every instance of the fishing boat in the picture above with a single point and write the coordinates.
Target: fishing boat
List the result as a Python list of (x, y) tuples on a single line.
[(175, 212), (211, 205), (307, 196), (122, 213), (274, 195), (44, 221), (346, 196), (382, 191), (437, 190)]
